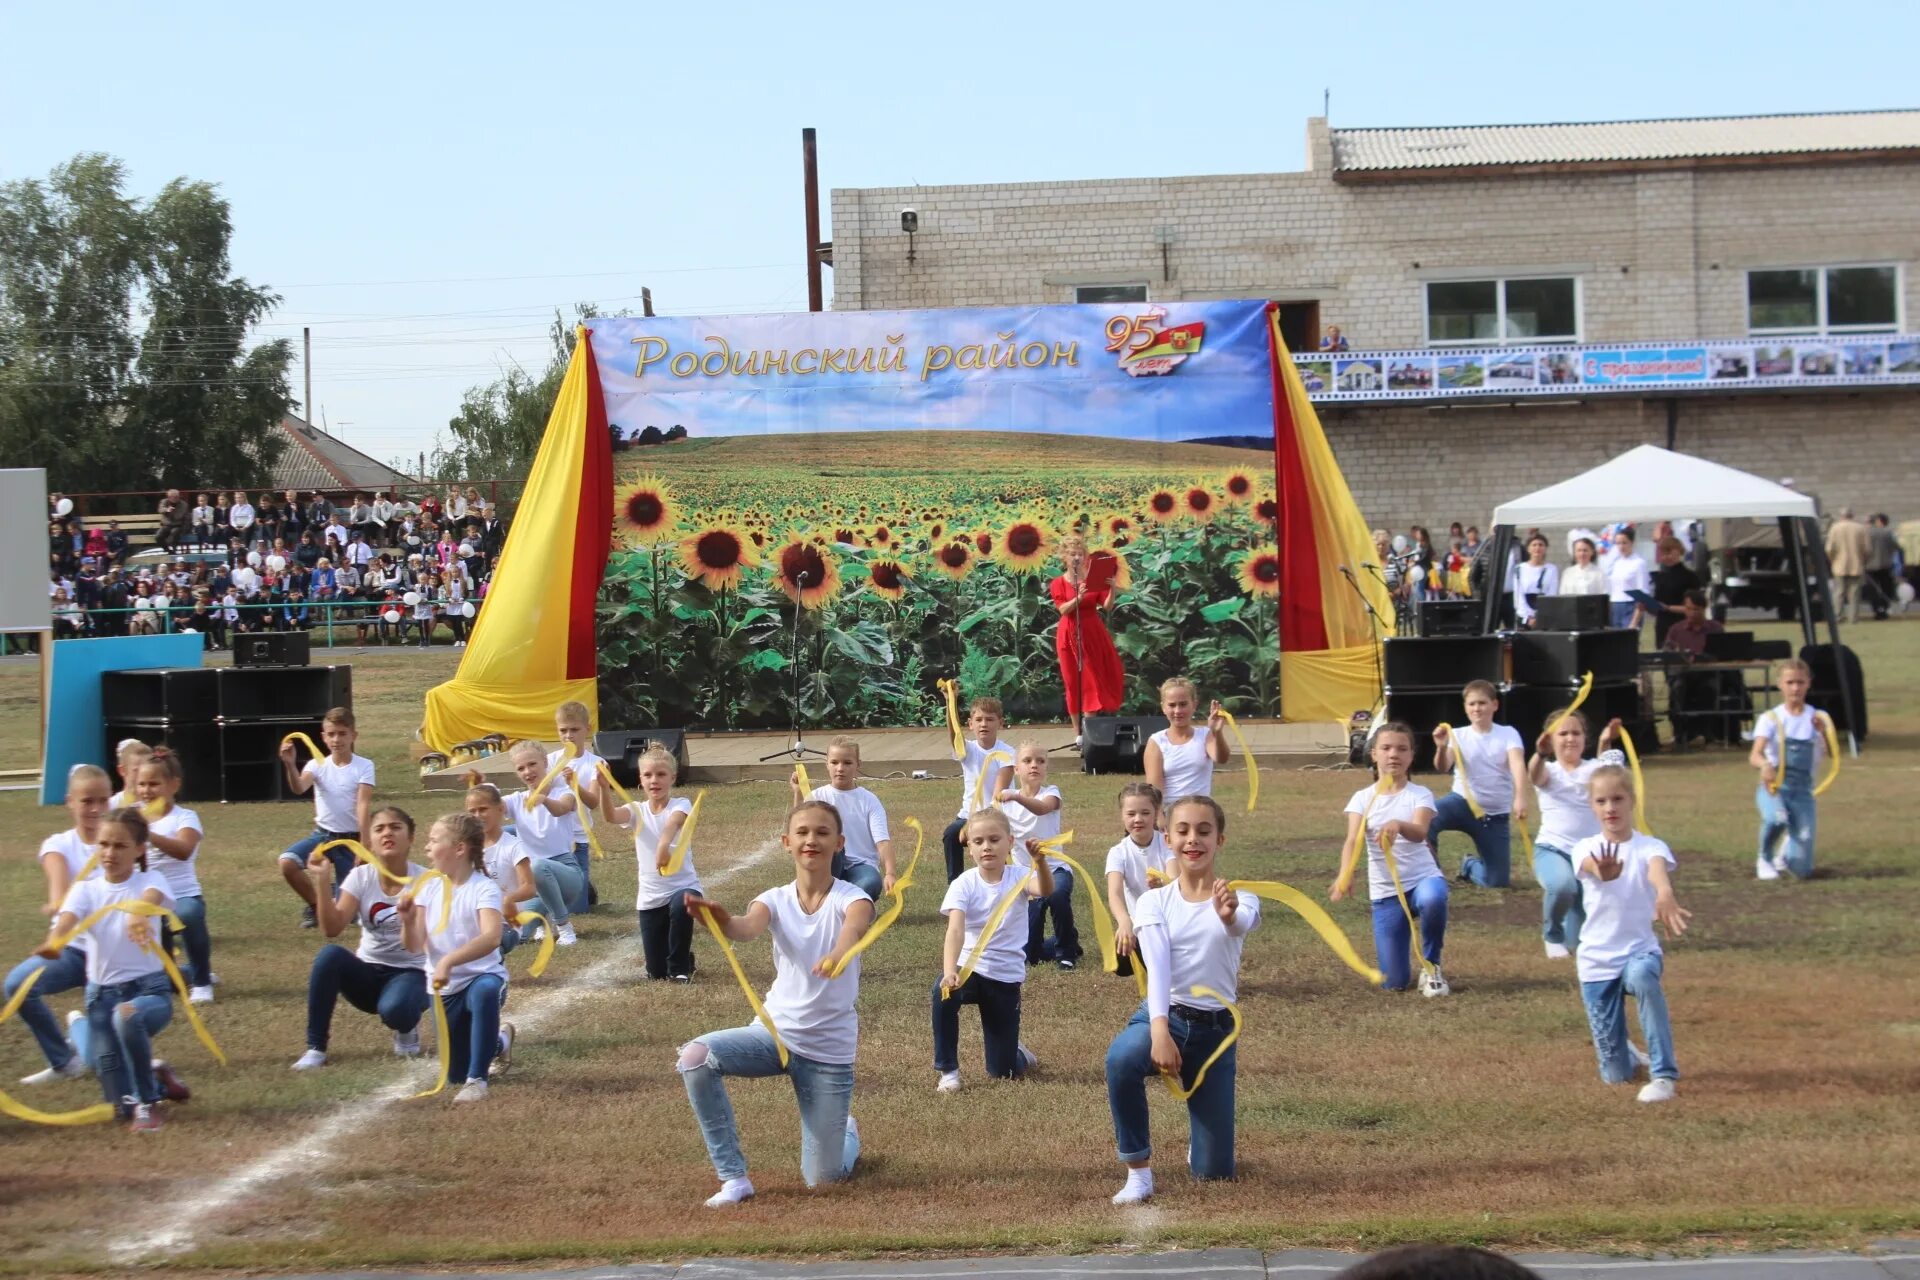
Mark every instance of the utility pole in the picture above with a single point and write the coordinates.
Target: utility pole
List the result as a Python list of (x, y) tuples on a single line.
[(306, 363), (810, 179), (646, 301)]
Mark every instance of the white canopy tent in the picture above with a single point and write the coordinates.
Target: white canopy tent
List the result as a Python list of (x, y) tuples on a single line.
[(1650, 483)]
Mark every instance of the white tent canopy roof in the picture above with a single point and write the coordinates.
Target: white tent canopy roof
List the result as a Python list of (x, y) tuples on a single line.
[(1650, 483)]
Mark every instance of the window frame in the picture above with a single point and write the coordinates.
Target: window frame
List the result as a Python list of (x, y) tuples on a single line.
[(1820, 328), (1503, 338), (1144, 288)]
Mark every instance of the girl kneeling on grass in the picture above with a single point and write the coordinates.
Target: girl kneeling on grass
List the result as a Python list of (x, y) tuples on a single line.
[(173, 849), (1561, 776), (814, 921), (463, 960), (543, 828), (62, 858), (1395, 813), (1190, 933), (504, 860)]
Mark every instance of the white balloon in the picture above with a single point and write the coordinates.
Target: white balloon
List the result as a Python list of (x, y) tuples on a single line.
[(1904, 593), (466, 549), (467, 610), (253, 558), (64, 507), (391, 615), (412, 597)]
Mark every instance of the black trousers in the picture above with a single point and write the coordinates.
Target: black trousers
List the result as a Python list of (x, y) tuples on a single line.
[(666, 938), (999, 1004)]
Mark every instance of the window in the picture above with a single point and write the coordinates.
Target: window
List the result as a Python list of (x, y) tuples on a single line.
[(1531, 309), (1110, 293), (1824, 300)]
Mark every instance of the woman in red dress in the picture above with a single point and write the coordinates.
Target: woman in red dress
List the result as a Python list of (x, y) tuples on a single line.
[(1089, 664)]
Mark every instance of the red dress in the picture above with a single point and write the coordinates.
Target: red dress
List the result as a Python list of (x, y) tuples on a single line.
[(1103, 677)]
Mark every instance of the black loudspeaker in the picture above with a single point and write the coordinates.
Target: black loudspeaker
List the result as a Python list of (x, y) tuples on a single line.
[(1449, 617), (1564, 657), (1117, 744), (283, 693), (196, 743), (273, 649), (1527, 708), (1571, 613), (250, 766), (1442, 662), (166, 693), (1420, 710), (621, 749), (1849, 715)]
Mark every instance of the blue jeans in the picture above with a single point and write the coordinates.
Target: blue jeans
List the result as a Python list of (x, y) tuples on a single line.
[(1491, 863), (583, 861), (1620, 612), (68, 973), (473, 1027), (1209, 1111), (866, 875), (1066, 938), (956, 851), (1561, 915), (824, 1090), (666, 937), (1788, 815), (193, 914), (1393, 937), (398, 996), (117, 1036), (559, 882), (300, 850), (999, 1025), (1607, 1014)]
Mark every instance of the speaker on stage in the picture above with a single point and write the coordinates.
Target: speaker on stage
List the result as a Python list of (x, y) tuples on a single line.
[(273, 649), (1564, 657), (1448, 617), (1442, 662), (1117, 744), (1570, 613), (621, 749)]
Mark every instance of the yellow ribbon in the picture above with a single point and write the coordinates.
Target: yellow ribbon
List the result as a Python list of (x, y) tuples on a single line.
[(1393, 870), (1827, 731), (1199, 1077), (546, 940), (1156, 877), (898, 894), (806, 783), (1102, 919), (306, 742), (586, 816), (1833, 752), (1315, 915), (366, 855), (567, 753), (1460, 784), (420, 882), (987, 930), (445, 1037), (980, 779), (677, 856), (1253, 766), (98, 1113), (950, 689), (626, 797), (1639, 782), (753, 997)]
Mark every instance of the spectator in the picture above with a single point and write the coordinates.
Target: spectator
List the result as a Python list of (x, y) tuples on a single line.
[(430, 508), (324, 581), (223, 531), (1882, 554), (1626, 574), (1849, 546), (229, 616), (1333, 339), (115, 599), (318, 509), (493, 533), (1691, 626), (277, 559), (383, 517), (69, 620), (173, 519), (1584, 577), (200, 619), (1694, 697), (241, 517), (147, 616), (456, 508), (117, 549), (201, 524), (1534, 578), (360, 551), (335, 532), (95, 544), (309, 551), (266, 519), (476, 508), (360, 515), (1671, 583), (292, 521)]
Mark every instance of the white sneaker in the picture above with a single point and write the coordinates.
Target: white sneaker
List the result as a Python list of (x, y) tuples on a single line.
[(1434, 983), (474, 1090), (75, 1018), (1028, 1058), (309, 1060), (539, 932), (1780, 861), (1139, 1188), (1657, 1091), (564, 936), (1556, 951), (949, 1082), (504, 1058), (200, 995), (76, 1068), (1639, 1056), (213, 979), (733, 1191), (1763, 868), (406, 1044)]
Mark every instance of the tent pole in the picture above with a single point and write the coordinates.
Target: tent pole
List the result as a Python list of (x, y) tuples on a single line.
[(1823, 572), (1496, 580), (1797, 562)]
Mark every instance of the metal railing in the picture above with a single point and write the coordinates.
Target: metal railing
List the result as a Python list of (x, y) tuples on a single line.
[(126, 504), (362, 615)]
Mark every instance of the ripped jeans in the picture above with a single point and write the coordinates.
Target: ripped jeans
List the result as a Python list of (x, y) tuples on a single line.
[(824, 1090)]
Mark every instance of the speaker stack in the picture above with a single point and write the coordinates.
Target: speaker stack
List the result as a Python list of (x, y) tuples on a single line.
[(1424, 677), (1547, 668), (1117, 744), (622, 748)]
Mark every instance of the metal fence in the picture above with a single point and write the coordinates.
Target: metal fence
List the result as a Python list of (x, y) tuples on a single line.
[(351, 616)]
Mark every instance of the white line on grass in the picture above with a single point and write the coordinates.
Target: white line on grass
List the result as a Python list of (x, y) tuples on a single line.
[(545, 1004)]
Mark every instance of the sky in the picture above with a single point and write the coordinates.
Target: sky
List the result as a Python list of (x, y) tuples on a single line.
[(423, 184)]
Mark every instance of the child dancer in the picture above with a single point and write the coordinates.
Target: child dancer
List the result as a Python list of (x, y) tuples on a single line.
[(1566, 818), (506, 861), (1000, 969), (985, 719), (129, 998), (538, 827), (173, 842), (1788, 742), (1140, 850), (867, 859), (1493, 765), (1625, 887), (1396, 813), (128, 757), (463, 960), (666, 928), (381, 977), (574, 724), (815, 921), (1032, 809), (342, 786), (1190, 934), (1180, 758), (62, 858)]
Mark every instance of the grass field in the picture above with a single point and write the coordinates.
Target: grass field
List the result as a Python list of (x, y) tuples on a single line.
[(1364, 1117)]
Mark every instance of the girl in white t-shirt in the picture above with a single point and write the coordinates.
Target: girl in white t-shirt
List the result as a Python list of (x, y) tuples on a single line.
[(1190, 934), (660, 904), (128, 756), (1560, 776), (1000, 968), (1032, 810), (985, 719), (541, 827), (463, 961), (1180, 758), (1790, 743), (867, 859), (814, 921), (505, 860), (173, 842), (1625, 888), (1395, 813), (62, 858), (380, 976), (1139, 862), (129, 997)]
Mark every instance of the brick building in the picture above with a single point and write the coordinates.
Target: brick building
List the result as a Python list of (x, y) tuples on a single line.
[(1424, 242)]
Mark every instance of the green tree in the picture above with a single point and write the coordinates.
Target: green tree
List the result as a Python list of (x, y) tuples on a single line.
[(498, 429)]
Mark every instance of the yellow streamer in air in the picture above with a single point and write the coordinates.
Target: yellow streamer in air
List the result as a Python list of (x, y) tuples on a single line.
[(1253, 766), (740, 975), (1315, 915), (1460, 784), (980, 780), (420, 882), (546, 939), (606, 775), (806, 783), (366, 855), (1199, 1077), (987, 930), (950, 690), (1345, 882), (1639, 782), (677, 856), (586, 816), (1102, 918), (313, 748), (445, 1037), (898, 894), (567, 753)]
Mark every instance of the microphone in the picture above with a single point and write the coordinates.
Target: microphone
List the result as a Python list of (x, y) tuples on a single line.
[(1368, 565), (800, 577), (1346, 571)]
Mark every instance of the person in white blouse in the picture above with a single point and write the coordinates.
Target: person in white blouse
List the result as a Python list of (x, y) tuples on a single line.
[(241, 516), (1584, 577), (1628, 573), (1536, 576), (462, 959)]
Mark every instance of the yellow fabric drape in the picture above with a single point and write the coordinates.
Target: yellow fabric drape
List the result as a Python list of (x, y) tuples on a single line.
[(1328, 684)]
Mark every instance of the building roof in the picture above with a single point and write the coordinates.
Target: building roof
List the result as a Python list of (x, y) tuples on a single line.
[(315, 460), (1630, 143)]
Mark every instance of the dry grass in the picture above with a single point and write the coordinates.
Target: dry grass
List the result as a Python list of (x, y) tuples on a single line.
[(1363, 1117)]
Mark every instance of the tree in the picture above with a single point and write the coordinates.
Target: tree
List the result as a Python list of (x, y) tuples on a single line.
[(123, 357), (499, 426)]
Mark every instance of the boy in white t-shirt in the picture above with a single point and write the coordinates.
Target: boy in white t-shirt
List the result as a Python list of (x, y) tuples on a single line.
[(1625, 887), (574, 724), (342, 785), (1032, 808), (1139, 862), (1489, 767), (980, 743), (1788, 742), (998, 961), (866, 859)]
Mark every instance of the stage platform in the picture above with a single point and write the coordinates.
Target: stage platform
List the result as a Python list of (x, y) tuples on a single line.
[(898, 753)]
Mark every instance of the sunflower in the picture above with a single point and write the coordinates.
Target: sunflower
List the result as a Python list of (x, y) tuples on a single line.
[(887, 578), (843, 534), (1236, 487), (1116, 526), (1024, 545), (936, 533), (1267, 511), (881, 537), (715, 554), (806, 574), (955, 559), (1198, 504), (982, 541), (1259, 571), (648, 511), (1163, 506)]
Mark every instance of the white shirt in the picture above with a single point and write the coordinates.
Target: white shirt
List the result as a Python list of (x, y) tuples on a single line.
[(972, 759), (1187, 767), (863, 820), (1482, 758), (1131, 862), (1531, 579), (1028, 825), (1627, 573), (815, 1016), (1414, 859), (540, 831), (1801, 728), (182, 880), (1005, 959), (241, 515), (1619, 914), (500, 858), (1566, 817), (69, 847), (1583, 580), (584, 766), (463, 926), (111, 958), (336, 791), (656, 889), (379, 922), (1203, 952)]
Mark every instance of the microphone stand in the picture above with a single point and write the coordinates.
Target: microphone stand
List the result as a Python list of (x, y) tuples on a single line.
[(797, 749), (1375, 570), (1379, 670)]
